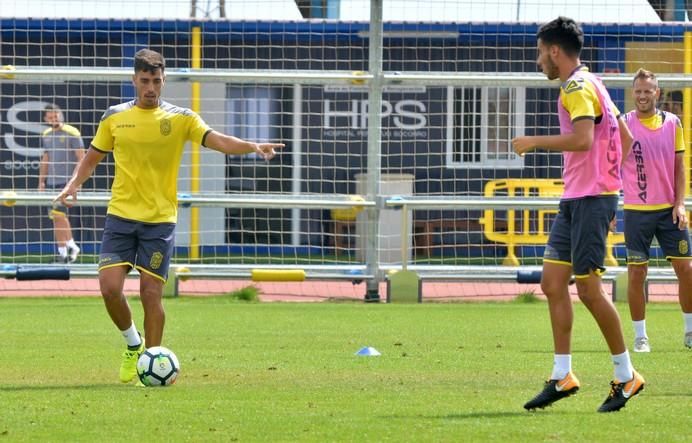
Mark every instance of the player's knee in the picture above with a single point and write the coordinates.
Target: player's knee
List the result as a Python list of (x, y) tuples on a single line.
[(551, 287), (636, 273), (546, 287), (586, 291), (109, 290), (585, 298), (151, 291)]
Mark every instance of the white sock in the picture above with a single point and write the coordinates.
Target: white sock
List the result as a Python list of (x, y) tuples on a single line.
[(62, 250), (688, 321), (562, 364), (132, 336), (72, 244), (640, 328), (623, 367)]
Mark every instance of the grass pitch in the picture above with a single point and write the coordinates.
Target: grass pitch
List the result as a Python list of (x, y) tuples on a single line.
[(287, 372)]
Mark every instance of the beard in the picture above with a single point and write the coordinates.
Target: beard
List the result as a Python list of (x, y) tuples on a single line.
[(552, 74), (550, 69), (645, 108)]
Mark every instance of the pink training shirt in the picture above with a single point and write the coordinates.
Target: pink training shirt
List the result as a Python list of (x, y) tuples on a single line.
[(596, 171), (649, 170)]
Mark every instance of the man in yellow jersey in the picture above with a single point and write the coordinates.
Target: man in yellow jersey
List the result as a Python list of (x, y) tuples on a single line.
[(653, 174), (590, 139), (63, 148), (146, 137)]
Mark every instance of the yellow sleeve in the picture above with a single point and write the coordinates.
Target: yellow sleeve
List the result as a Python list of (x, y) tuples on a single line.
[(74, 132), (580, 100), (103, 140), (197, 128), (679, 139)]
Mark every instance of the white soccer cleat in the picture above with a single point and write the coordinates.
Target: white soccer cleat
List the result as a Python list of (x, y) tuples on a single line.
[(641, 344), (688, 340)]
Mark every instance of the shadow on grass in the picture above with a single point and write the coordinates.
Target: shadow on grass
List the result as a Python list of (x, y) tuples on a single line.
[(90, 387), (668, 394), (603, 350), (473, 415), (574, 351)]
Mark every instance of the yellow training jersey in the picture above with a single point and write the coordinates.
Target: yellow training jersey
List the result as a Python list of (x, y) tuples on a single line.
[(580, 100), (147, 146), (656, 121)]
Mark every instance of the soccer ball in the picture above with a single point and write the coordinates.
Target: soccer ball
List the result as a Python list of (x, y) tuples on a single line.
[(158, 366)]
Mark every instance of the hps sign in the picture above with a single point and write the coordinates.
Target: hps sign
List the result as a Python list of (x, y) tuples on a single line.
[(348, 117)]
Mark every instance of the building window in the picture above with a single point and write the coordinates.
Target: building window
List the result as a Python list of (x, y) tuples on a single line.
[(252, 113), (481, 123)]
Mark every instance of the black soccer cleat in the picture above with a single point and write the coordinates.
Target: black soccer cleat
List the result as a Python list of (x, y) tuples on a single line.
[(553, 391), (60, 260), (620, 393)]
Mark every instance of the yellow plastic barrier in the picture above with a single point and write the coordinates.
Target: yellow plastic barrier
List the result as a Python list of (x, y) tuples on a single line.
[(278, 275), (344, 220), (528, 226)]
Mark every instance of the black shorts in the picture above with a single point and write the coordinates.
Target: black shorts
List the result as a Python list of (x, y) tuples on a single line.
[(640, 228), (579, 232), (145, 246)]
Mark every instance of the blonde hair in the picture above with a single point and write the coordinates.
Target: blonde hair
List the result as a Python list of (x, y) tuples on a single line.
[(645, 74)]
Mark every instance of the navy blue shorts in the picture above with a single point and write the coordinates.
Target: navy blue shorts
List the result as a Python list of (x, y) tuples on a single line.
[(579, 232), (57, 208), (145, 246), (640, 228)]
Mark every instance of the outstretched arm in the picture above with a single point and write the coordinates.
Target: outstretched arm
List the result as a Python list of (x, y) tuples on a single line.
[(83, 170), (227, 144), (580, 139)]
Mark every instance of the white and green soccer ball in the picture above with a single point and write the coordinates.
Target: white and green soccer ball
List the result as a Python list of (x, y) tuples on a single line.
[(158, 366)]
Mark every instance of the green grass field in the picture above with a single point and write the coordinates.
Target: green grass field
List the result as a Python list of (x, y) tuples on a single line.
[(287, 372)]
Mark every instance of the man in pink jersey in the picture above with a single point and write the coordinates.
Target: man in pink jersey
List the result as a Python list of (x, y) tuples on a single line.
[(653, 175), (590, 140)]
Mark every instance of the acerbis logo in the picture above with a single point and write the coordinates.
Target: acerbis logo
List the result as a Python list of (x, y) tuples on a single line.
[(641, 172), (612, 153)]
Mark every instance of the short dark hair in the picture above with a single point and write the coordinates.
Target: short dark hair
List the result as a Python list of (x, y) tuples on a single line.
[(52, 107), (148, 60), (563, 32)]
